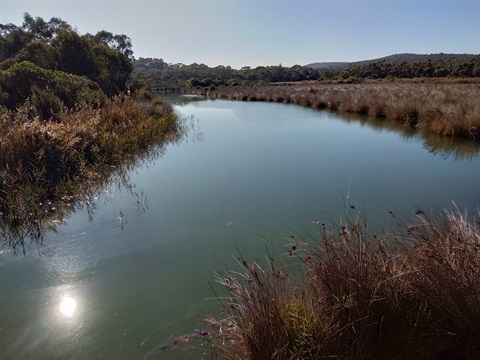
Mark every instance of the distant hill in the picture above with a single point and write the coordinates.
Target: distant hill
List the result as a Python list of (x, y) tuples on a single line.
[(389, 59), (329, 65)]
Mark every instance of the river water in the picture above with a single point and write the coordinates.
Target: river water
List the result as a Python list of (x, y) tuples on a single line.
[(125, 281)]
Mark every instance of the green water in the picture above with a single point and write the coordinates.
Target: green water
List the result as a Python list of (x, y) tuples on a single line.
[(248, 176)]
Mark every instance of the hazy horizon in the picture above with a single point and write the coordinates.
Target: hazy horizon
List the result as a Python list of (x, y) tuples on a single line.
[(241, 33)]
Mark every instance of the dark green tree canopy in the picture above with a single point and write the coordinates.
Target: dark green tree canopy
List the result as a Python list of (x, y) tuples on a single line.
[(24, 80), (104, 58), (440, 65)]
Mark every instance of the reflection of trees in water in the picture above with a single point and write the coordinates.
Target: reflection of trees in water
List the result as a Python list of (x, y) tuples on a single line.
[(25, 219)]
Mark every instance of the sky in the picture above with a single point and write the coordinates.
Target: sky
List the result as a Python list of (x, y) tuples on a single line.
[(253, 33)]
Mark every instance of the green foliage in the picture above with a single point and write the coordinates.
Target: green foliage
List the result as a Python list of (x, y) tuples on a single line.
[(104, 58), (39, 52), (144, 93), (46, 89), (192, 82), (352, 79), (262, 83), (46, 103), (73, 54), (138, 81), (162, 73), (457, 66)]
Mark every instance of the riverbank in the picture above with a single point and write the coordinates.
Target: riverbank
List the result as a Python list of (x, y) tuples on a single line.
[(404, 295), (47, 164), (451, 110)]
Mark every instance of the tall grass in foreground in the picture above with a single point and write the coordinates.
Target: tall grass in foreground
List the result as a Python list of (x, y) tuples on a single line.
[(444, 109), (47, 163), (413, 294)]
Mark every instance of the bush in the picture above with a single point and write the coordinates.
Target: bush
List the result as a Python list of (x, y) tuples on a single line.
[(46, 87), (46, 103), (352, 79)]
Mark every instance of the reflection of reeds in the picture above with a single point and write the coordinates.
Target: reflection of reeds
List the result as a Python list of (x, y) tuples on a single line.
[(61, 161), (408, 295), (444, 109)]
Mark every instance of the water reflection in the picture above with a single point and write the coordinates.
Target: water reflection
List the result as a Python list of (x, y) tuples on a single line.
[(459, 149), (25, 219), (446, 147), (258, 113), (176, 99), (21, 231), (68, 306)]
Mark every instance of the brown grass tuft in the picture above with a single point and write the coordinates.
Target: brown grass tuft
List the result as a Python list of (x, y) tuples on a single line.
[(406, 295)]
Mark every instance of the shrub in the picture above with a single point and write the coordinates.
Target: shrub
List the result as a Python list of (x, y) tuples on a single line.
[(352, 79), (25, 80), (193, 82), (46, 103)]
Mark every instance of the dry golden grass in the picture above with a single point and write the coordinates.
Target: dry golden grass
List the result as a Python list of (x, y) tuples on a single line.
[(409, 294), (446, 109)]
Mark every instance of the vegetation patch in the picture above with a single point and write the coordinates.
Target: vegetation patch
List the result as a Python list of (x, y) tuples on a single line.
[(409, 294)]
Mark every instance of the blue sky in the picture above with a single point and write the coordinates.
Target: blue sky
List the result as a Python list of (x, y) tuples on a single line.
[(253, 33)]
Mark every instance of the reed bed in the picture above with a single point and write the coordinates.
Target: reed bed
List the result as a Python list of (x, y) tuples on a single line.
[(446, 109), (44, 164), (410, 294)]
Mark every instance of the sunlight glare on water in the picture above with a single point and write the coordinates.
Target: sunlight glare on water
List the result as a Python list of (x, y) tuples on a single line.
[(68, 306)]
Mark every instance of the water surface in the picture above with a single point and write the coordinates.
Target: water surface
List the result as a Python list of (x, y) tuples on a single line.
[(126, 283)]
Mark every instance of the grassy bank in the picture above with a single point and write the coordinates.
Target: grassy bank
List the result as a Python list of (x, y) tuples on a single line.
[(45, 164), (406, 295), (446, 109)]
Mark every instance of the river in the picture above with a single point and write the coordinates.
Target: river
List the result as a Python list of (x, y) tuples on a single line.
[(124, 281)]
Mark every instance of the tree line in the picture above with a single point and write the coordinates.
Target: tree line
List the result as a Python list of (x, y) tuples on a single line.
[(161, 73), (463, 66)]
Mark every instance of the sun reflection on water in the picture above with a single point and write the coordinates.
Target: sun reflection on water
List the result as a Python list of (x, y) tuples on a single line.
[(68, 305)]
